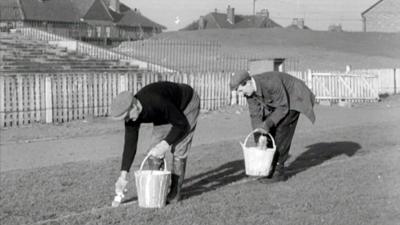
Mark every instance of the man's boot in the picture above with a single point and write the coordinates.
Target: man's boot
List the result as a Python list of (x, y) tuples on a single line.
[(278, 173), (177, 177), (155, 163)]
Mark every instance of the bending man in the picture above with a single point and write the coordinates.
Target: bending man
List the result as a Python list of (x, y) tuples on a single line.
[(275, 100), (173, 109)]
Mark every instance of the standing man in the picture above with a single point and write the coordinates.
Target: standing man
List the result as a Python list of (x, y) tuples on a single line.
[(173, 109), (275, 101)]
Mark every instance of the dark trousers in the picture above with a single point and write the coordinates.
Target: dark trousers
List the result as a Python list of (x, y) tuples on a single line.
[(283, 135)]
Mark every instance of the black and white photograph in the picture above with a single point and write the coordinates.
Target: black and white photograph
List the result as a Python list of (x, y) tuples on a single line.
[(211, 112)]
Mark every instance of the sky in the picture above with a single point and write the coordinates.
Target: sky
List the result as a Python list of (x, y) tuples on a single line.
[(318, 14)]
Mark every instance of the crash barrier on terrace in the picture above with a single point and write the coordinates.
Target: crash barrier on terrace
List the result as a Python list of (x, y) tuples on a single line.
[(194, 55), (163, 55), (183, 55), (71, 44), (20, 53), (64, 96), (80, 47)]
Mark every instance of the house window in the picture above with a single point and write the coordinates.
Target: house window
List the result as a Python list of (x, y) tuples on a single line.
[(90, 32), (98, 30), (20, 24), (108, 31)]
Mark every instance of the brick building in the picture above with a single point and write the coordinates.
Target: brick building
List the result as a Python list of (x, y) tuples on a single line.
[(298, 24), (383, 16), (89, 20), (230, 20)]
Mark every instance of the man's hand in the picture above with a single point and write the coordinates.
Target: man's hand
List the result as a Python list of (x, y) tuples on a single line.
[(120, 186), (268, 124), (120, 189), (160, 149)]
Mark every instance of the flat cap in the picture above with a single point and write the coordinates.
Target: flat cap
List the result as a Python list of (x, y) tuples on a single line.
[(237, 78), (121, 104)]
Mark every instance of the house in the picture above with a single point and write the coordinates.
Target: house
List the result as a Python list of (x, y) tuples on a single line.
[(335, 28), (19, 13), (89, 20), (229, 20), (383, 16), (298, 24)]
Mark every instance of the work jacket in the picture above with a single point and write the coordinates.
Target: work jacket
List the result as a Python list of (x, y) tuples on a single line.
[(277, 93)]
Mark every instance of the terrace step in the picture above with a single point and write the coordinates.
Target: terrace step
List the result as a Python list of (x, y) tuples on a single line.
[(21, 53)]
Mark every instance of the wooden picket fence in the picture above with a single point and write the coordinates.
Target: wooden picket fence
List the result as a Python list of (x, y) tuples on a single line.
[(59, 97), (389, 79), (27, 98), (349, 87)]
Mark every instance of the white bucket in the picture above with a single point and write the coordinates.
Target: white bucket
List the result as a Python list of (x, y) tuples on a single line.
[(152, 186), (258, 162)]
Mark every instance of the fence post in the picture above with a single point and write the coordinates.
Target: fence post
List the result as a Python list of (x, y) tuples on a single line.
[(123, 83), (31, 98), (348, 68), (20, 100), (49, 107), (233, 98), (394, 81), (2, 113), (37, 100), (309, 79)]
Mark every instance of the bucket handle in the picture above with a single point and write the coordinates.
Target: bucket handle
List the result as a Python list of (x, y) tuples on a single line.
[(145, 159), (254, 131)]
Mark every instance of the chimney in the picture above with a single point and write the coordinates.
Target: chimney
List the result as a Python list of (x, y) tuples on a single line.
[(295, 21), (201, 23), (300, 23), (230, 14), (114, 5), (263, 13)]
